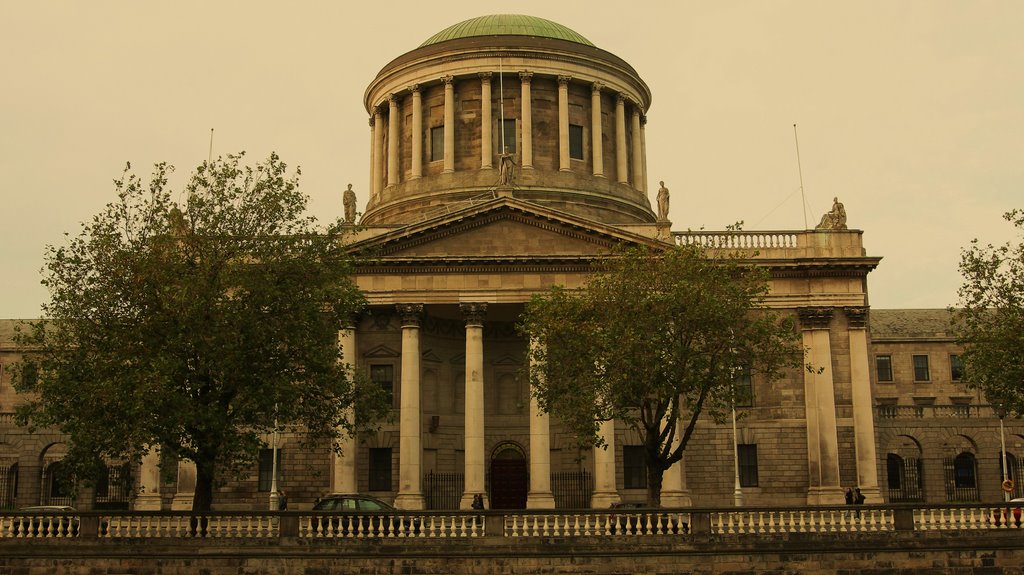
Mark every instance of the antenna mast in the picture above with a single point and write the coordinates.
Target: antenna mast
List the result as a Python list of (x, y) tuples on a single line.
[(210, 159), (803, 199)]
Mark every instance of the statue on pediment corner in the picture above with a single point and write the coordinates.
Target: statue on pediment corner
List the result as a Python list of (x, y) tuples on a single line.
[(834, 219)]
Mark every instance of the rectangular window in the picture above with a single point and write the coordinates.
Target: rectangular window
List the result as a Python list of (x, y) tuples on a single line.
[(743, 387), (384, 376), (437, 144), (921, 368), (634, 467), (380, 469), (883, 367), (508, 137), (747, 454), (266, 472), (956, 367), (575, 142)]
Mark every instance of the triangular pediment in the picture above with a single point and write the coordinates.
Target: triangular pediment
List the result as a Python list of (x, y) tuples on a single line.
[(506, 360), (502, 229), (382, 351)]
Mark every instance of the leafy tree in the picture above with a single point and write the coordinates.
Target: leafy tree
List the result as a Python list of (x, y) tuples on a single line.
[(990, 319), (655, 340), (195, 326)]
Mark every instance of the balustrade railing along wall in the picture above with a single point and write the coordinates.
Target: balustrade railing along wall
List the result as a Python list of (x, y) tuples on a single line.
[(429, 525)]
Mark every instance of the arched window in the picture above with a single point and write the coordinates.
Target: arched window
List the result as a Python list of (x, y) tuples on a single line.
[(8, 485), (964, 471), (113, 487), (962, 477), (57, 486), (894, 470), (904, 478)]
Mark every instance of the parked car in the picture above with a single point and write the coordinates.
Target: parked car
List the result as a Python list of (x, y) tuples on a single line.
[(639, 519), (46, 521), (362, 515)]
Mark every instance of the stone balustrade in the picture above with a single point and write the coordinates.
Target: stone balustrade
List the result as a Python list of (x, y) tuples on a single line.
[(438, 525), (934, 411), (778, 244)]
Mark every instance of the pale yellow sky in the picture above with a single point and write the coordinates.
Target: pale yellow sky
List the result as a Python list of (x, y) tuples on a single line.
[(909, 111)]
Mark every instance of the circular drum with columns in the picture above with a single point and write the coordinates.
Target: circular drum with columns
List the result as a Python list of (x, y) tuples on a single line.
[(568, 115)]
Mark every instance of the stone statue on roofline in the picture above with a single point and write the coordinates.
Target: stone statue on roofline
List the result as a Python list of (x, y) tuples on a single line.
[(834, 219), (663, 199), (349, 201), (507, 171)]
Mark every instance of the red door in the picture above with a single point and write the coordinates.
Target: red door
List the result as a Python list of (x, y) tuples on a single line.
[(508, 484)]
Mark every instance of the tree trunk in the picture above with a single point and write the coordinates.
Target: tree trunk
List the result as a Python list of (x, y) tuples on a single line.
[(203, 498), (654, 478)]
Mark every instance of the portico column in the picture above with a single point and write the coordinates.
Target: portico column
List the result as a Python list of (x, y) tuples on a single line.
[(643, 149), (863, 416), (540, 495), (373, 158), (417, 132), (563, 123), (527, 118), (819, 392), (449, 123), (474, 411), (595, 128), (605, 493), (621, 169), (343, 468), (410, 455), (148, 497), (638, 168), (485, 121), (393, 125), (185, 488), (378, 153)]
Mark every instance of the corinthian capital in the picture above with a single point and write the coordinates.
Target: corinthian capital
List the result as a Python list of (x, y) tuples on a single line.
[(410, 313), (814, 317), (474, 313), (857, 317)]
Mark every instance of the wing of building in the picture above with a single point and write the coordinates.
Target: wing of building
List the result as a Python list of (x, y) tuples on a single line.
[(507, 153)]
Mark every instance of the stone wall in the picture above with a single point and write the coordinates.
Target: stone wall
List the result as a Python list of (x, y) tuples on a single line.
[(906, 553)]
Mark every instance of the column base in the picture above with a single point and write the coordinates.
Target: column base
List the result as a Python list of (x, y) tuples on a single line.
[(604, 499), (148, 502), (826, 496), (872, 494), (182, 502), (540, 500), (676, 498), (410, 501)]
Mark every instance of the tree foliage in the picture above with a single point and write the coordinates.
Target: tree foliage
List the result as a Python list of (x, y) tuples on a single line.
[(655, 340), (193, 321), (989, 319)]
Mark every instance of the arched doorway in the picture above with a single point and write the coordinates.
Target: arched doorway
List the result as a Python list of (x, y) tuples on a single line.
[(509, 479)]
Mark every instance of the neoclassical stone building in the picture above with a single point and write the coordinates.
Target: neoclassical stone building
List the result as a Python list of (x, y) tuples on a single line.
[(507, 153)]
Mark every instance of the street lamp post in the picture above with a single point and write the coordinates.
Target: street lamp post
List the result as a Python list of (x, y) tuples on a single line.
[(274, 496), (737, 494), (1001, 412)]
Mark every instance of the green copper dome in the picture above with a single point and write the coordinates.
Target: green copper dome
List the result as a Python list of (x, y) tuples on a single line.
[(506, 25)]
